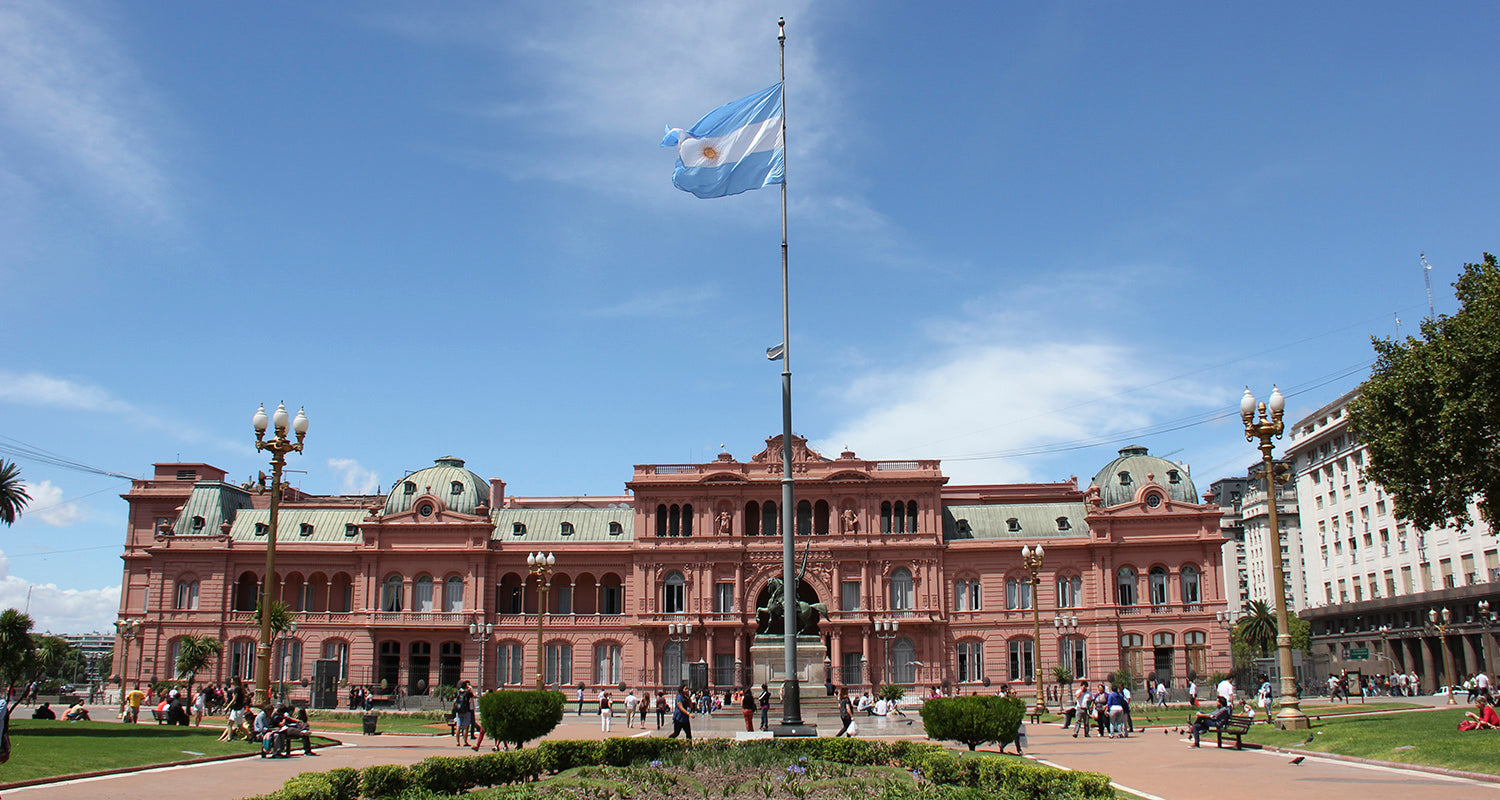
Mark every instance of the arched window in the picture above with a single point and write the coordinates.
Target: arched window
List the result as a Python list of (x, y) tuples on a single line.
[(288, 659), (1188, 575), (672, 656), (341, 596), (338, 650), (661, 520), (607, 669), (820, 518), (1021, 655), (242, 659), (687, 520), (1158, 580), (901, 589), (390, 594), (1125, 586), (388, 667), (419, 668), (674, 594), (911, 516), (1018, 594), (1163, 639), (187, 596), (246, 592), (804, 518), (450, 663), (453, 595), (885, 517), (421, 600), (898, 518), (611, 595), (1069, 591), (967, 595), (674, 520), (294, 592), (752, 518), (770, 522), (1131, 653)]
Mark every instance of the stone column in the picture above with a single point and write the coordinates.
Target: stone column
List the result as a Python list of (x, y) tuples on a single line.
[(836, 657), (1429, 676)]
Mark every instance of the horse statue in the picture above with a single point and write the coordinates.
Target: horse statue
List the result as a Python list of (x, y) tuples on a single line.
[(775, 608)]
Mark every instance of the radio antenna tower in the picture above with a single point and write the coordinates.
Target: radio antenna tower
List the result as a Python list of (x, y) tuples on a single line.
[(1427, 278)]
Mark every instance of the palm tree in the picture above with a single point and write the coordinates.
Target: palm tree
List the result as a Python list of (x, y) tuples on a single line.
[(281, 617), (13, 496), (194, 654), (17, 651), (1258, 627)]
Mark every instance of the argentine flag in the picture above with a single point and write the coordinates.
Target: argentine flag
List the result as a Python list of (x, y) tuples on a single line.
[(735, 148)]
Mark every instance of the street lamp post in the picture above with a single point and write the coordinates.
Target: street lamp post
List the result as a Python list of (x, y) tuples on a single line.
[(281, 663), (885, 631), (480, 634), (279, 446), (679, 633), (1263, 422), (1031, 558), (1487, 619), (1441, 621), (127, 630), (541, 566)]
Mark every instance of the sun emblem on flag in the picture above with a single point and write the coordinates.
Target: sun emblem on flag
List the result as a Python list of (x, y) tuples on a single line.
[(710, 153)]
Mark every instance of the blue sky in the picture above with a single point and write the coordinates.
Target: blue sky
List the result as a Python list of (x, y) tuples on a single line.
[(448, 229)]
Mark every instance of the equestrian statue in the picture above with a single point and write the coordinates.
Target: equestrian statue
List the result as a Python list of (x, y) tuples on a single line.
[(775, 607)]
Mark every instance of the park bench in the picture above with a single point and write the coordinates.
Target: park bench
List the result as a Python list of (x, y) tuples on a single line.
[(1237, 726)]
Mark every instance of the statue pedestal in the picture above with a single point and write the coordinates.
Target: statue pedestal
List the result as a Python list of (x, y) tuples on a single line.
[(768, 656)]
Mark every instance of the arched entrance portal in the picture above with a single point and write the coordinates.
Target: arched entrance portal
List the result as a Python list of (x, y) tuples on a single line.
[(767, 626)]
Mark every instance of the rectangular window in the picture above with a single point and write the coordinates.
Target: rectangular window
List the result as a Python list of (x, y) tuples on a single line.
[(1406, 584), (508, 665), (1328, 592), (849, 596), (1020, 659), (338, 651), (559, 664), (674, 600), (1343, 591), (242, 660), (1467, 565), (1070, 592), (564, 599), (1017, 594), (723, 598), (288, 660), (970, 662), (610, 600), (1390, 583), (606, 664), (1445, 567), (1071, 654)]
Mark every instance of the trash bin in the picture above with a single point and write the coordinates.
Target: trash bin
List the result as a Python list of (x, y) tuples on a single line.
[(369, 720)]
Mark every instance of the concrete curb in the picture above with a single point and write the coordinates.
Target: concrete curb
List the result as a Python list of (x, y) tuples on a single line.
[(1482, 777)]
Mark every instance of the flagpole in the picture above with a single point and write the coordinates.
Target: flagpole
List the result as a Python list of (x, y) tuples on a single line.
[(791, 693)]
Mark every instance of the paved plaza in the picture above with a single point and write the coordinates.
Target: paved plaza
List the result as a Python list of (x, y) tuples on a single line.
[(1152, 764)]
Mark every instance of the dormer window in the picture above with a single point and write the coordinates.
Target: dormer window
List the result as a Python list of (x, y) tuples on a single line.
[(1173, 476), (350, 529), (261, 528), (409, 488), (567, 529), (964, 528), (187, 475), (456, 488), (1013, 524), (518, 529), (1124, 478), (616, 529), (305, 529), (1063, 524), (198, 524)]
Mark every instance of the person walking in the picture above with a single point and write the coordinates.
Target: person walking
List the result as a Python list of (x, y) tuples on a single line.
[(682, 715), (463, 714), (1161, 694), (846, 712), (580, 699), (1081, 707), (631, 704)]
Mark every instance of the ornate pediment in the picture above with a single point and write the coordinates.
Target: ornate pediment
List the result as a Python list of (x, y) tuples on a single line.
[(801, 453)]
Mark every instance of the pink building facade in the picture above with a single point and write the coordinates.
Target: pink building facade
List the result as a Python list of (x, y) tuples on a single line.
[(387, 591)]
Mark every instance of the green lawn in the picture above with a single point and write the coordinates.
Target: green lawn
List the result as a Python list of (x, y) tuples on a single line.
[(46, 748), (335, 722), (1430, 738)]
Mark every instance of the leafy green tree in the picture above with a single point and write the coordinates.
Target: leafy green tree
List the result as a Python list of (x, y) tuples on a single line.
[(194, 654), (520, 716), (53, 656), (1430, 412), (13, 496), (974, 719), (17, 650)]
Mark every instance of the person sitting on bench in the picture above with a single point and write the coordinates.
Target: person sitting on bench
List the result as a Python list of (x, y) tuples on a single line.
[(1209, 722)]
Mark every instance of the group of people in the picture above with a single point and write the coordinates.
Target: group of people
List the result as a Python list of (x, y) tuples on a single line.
[(75, 713), (275, 727), (1104, 708)]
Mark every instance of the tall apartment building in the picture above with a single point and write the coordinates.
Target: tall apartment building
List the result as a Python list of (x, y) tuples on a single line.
[(1256, 519), (1363, 552), (1229, 494), (1375, 581)]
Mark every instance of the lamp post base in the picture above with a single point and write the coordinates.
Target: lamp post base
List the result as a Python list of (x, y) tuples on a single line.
[(1291, 717)]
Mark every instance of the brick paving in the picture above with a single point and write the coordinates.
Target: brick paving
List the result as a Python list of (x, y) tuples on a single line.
[(1152, 764)]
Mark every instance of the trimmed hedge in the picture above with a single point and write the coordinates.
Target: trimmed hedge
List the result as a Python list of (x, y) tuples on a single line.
[(958, 775), (518, 717), (974, 719)]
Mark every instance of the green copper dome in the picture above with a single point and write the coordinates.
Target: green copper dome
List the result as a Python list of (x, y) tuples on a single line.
[(459, 489), (1122, 478)]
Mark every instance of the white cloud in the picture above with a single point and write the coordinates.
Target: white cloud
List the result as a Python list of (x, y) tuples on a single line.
[(80, 105), (47, 506), (655, 304), (356, 479), (47, 391), (986, 384), (59, 610)]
